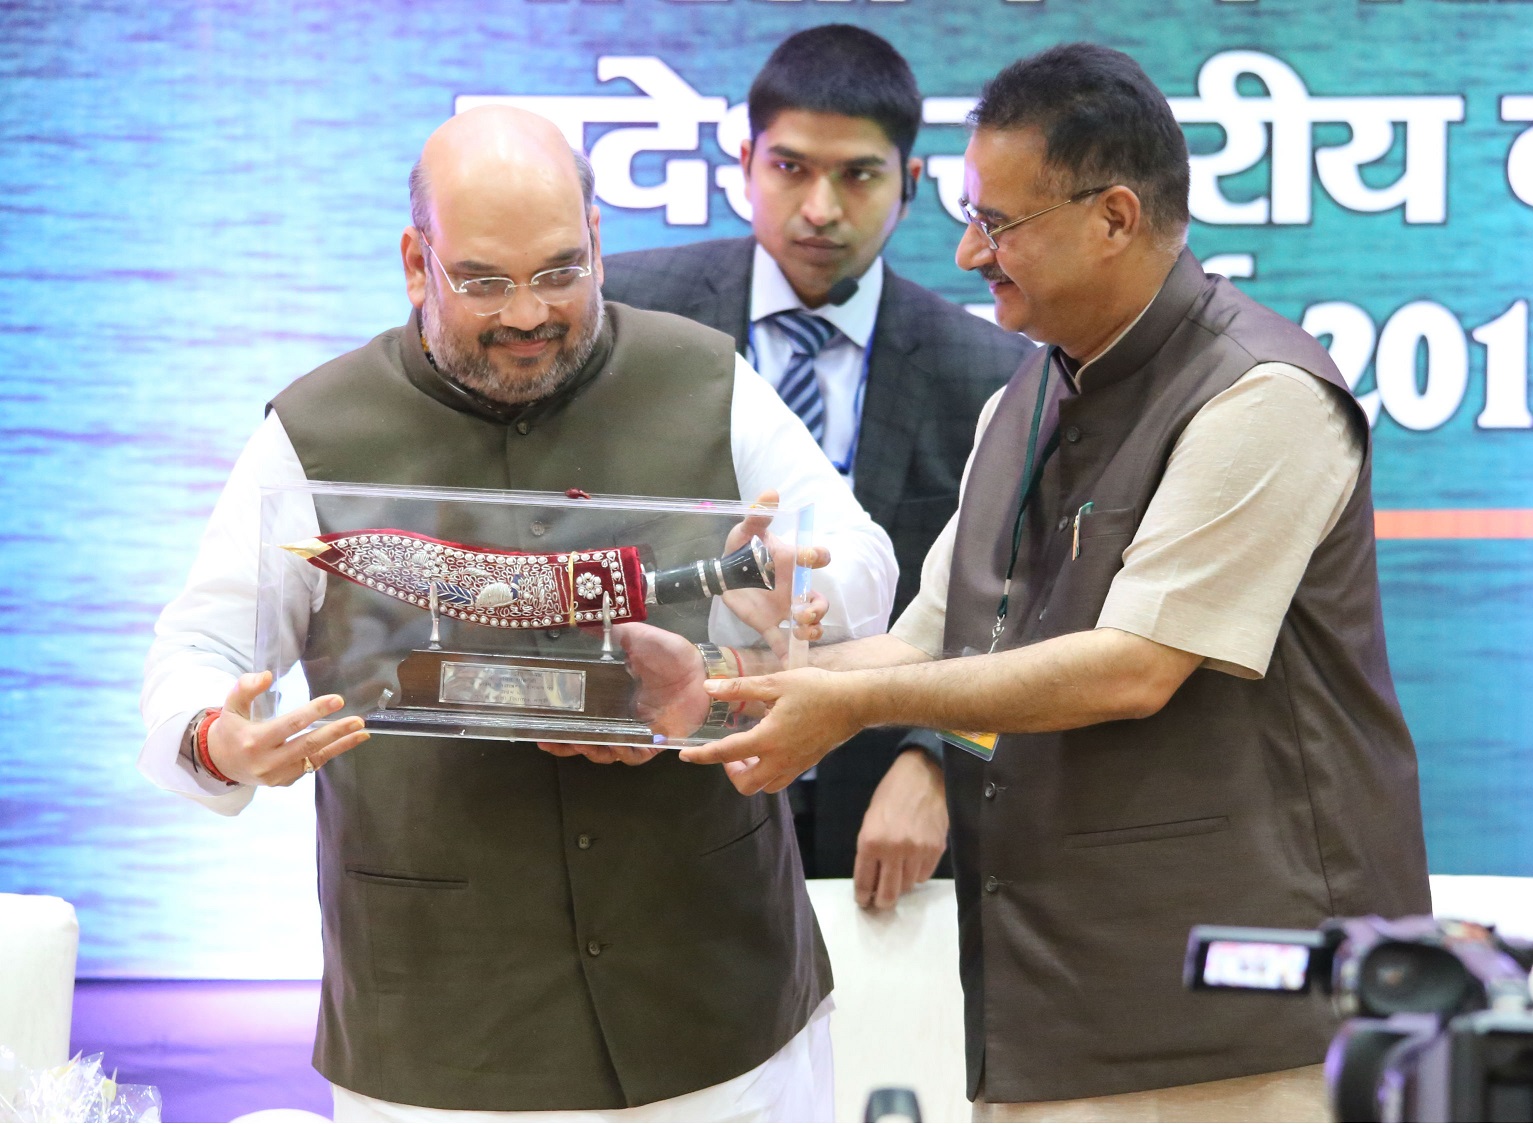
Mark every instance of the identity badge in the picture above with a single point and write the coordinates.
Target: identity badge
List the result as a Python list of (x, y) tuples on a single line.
[(981, 745)]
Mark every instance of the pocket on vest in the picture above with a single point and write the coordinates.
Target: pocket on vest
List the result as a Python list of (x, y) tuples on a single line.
[(1091, 560), (1113, 521), (1147, 832), (765, 815), (405, 881)]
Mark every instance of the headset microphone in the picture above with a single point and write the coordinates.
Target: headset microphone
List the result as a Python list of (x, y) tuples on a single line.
[(842, 291)]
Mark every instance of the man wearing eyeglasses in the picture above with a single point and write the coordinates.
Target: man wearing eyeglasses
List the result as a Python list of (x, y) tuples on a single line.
[(506, 929), (1154, 628), (887, 375)]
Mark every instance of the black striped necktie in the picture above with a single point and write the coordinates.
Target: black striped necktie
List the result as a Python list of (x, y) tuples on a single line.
[(798, 387)]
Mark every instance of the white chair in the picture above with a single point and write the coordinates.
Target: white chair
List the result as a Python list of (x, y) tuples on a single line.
[(899, 1008), (39, 937)]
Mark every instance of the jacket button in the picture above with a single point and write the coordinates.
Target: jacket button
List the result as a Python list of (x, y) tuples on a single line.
[(1073, 434), (1064, 523), (538, 528), (522, 428), (989, 790), (584, 842), (593, 948), (992, 884)]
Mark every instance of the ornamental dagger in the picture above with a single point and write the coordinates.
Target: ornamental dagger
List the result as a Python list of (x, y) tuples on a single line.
[(520, 589)]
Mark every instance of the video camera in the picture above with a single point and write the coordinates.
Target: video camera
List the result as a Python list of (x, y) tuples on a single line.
[(1439, 1021)]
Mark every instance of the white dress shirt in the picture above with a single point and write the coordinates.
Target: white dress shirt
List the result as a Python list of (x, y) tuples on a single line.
[(841, 366), (205, 638)]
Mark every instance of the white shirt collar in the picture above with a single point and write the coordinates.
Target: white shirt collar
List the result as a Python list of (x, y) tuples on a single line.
[(771, 293)]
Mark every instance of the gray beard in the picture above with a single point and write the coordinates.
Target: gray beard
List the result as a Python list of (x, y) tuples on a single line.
[(470, 366)]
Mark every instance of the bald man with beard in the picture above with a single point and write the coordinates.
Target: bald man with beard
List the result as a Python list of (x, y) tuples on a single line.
[(508, 930)]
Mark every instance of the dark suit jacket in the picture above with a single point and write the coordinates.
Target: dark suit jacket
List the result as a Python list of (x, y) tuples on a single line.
[(931, 368)]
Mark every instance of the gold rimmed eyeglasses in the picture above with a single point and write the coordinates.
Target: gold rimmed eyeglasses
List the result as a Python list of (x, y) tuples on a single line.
[(990, 232)]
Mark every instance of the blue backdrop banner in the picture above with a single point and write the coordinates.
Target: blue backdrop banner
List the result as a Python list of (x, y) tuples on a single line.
[(203, 200)]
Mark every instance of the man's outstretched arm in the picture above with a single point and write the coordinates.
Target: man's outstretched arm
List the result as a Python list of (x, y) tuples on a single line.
[(1077, 680)]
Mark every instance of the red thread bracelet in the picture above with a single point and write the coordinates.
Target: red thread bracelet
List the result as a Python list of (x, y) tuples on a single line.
[(202, 744)]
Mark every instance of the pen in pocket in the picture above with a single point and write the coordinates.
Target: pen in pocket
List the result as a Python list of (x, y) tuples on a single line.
[(1075, 548)]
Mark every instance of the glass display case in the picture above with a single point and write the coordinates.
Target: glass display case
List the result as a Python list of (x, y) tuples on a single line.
[(522, 616)]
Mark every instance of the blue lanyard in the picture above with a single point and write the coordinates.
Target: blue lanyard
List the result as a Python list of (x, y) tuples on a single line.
[(844, 467)]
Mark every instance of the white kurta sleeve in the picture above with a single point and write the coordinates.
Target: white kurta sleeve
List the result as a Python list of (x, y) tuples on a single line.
[(205, 638), (773, 450)]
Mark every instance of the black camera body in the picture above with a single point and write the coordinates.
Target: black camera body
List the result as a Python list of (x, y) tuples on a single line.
[(1439, 1020)]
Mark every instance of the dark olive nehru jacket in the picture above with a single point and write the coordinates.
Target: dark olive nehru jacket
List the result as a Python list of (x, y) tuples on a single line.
[(1084, 857), (504, 929)]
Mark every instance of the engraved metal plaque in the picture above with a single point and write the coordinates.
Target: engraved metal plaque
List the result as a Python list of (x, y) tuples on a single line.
[(513, 687)]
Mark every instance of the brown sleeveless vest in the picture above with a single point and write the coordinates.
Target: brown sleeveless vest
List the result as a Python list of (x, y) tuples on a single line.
[(1084, 857), (504, 929)]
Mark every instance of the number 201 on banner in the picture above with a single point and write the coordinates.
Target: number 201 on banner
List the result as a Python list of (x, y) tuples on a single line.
[(1421, 362)]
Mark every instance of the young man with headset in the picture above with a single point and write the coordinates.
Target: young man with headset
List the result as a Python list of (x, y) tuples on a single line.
[(888, 377)]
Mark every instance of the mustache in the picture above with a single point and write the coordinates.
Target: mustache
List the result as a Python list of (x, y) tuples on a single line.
[(993, 273), (503, 334)]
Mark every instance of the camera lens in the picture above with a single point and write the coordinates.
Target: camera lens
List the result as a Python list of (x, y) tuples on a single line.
[(1397, 977)]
